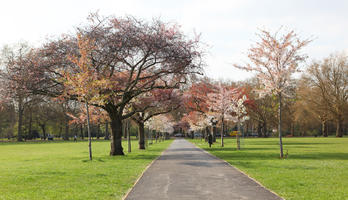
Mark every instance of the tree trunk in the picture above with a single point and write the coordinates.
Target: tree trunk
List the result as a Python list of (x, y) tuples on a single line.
[(81, 131), (141, 131), (43, 128), (116, 135), (89, 133), (128, 136), (66, 134), (125, 136), (293, 128), (280, 125), (264, 129), (98, 131), (237, 136), (339, 126), (20, 120), (30, 136), (222, 131), (206, 132), (60, 129), (214, 132), (106, 131), (323, 128), (146, 138), (150, 132), (259, 129)]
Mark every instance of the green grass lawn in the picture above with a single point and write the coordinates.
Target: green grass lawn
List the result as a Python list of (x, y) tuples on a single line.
[(62, 170), (316, 168)]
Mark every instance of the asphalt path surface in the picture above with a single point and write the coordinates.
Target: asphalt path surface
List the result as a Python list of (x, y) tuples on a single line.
[(186, 172)]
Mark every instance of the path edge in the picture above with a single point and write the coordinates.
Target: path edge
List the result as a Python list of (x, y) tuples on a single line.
[(142, 174), (237, 170)]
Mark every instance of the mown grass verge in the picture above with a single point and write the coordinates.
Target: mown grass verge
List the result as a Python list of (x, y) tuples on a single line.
[(62, 170), (316, 168)]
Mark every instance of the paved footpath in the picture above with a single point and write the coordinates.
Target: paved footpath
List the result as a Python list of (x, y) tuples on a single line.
[(185, 172)]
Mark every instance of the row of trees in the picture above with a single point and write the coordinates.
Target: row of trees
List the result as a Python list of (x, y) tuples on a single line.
[(118, 69), (114, 64)]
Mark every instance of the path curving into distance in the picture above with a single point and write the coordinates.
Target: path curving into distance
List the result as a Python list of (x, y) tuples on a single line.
[(186, 172)]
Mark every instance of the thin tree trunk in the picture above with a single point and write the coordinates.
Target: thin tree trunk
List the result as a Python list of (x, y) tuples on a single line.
[(280, 125), (89, 133), (323, 128), (125, 131), (259, 129), (214, 132), (206, 133), (66, 135), (106, 131), (222, 131), (30, 124), (292, 129), (150, 135), (128, 137), (264, 129), (60, 129), (339, 126), (98, 131), (43, 128), (237, 136), (146, 134), (81, 131), (66, 119), (20, 120)]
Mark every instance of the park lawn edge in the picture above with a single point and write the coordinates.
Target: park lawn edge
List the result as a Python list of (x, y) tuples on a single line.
[(125, 186)]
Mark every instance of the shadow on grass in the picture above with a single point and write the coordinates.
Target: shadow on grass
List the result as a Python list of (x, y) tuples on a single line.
[(235, 149), (252, 156), (204, 164), (184, 149), (320, 156), (275, 142), (141, 157)]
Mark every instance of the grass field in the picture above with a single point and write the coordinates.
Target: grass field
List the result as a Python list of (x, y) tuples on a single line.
[(316, 168), (62, 170)]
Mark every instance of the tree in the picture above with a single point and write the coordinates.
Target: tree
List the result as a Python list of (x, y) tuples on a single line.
[(82, 83), (153, 103), (312, 101), (197, 106), (238, 108), (131, 57), (329, 80), (161, 123), (221, 101), (16, 78), (275, 58)]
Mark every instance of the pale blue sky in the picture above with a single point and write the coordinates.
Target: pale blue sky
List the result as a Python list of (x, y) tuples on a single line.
[(227, 27)]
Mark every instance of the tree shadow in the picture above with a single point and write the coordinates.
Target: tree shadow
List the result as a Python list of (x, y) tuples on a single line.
[(235, 149), (204, 164), (320, 156), (183, 149), (265, 143), (253, 156)]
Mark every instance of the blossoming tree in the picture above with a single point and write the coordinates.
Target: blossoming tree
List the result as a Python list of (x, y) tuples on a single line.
[(131, 57), (275, 57)]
